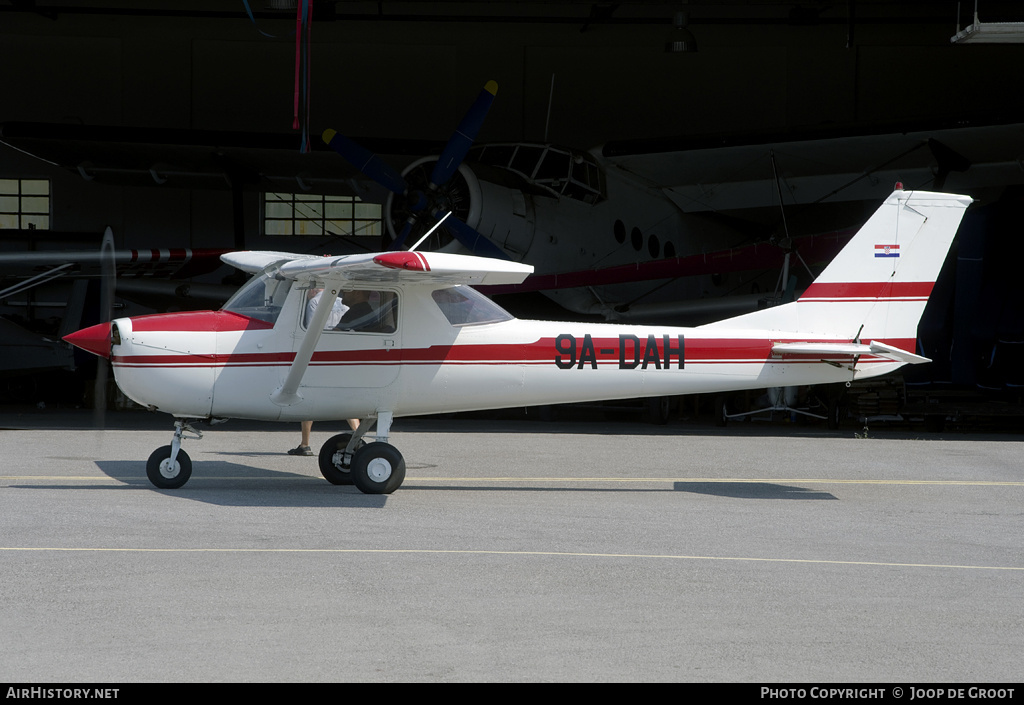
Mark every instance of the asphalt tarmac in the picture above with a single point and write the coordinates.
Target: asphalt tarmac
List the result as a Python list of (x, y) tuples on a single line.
[(515, 551)]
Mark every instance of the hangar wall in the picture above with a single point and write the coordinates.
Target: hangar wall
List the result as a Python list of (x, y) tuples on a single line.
[(414, 79)]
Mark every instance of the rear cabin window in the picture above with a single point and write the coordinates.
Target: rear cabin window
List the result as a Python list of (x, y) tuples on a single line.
[(463, 306)]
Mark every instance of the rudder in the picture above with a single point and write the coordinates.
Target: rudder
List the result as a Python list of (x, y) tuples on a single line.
[(877, 287)]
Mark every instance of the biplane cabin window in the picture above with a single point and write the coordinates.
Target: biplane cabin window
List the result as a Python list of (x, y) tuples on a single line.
[(356, 310), (465, 306), (262, 297)]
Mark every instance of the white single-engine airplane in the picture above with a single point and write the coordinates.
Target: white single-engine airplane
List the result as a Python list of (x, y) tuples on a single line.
[(415, 338)]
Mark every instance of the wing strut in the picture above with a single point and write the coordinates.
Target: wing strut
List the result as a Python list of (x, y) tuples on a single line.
[(287, 393)]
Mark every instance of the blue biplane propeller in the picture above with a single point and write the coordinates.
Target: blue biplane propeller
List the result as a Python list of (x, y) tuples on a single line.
[(428, 204)]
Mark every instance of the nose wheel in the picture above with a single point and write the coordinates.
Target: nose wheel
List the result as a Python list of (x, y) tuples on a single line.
[(167, 473), (169, 467)]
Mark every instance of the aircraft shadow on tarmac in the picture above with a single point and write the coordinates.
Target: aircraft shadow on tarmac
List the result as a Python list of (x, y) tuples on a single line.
[(752, 490), (232, 484), (236, 485)]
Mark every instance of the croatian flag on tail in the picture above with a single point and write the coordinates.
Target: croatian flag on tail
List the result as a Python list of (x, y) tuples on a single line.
[(887, 250)]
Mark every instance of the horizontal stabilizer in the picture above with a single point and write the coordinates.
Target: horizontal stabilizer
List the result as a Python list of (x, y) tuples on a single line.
[(890, 351), (839, 349)]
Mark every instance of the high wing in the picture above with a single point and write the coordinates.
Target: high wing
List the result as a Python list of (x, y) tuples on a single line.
[(394, 267), (256, 261), (386, 267)]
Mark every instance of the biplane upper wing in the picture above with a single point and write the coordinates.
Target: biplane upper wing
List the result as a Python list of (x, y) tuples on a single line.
[(203, 158), (726, 173)]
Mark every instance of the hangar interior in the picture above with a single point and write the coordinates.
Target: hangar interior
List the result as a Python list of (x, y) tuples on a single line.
[(170, 122)]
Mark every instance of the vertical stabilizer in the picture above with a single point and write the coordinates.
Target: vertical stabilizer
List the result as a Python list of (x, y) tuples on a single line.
[(877, 287)]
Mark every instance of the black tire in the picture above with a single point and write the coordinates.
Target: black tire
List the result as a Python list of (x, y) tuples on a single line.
[(332, 466), (378, 468), (836, 407), (165, 477), (836, 413), (720, 411)]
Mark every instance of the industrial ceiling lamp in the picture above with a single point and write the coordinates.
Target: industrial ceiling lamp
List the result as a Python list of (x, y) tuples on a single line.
[(680, 40), (988, 33)]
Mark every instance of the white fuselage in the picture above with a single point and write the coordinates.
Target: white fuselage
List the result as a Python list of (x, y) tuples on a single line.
[(222, 364)]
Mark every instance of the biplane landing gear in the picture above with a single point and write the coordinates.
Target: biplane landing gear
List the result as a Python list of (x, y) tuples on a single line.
[(169, 467)]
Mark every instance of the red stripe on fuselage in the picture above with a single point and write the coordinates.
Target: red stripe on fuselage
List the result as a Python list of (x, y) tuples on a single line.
[(606, 352), (197, 322), (868, 290)]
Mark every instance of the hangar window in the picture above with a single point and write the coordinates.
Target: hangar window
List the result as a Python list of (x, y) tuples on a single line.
[(25, 204), (319, 215)]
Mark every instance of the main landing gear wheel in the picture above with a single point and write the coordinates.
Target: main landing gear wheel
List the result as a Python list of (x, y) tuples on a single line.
[(334, 466), (378, 468), (165, 475)]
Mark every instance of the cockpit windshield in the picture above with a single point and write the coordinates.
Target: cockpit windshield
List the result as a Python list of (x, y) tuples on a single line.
[(262, 297)]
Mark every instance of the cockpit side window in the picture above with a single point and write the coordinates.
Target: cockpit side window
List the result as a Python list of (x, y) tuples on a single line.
[(356, 310), (262, 297), (465, 306)]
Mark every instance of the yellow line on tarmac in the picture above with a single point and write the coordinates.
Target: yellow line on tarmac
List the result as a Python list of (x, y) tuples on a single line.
[(506, 479), (767, 480), (556, 554)]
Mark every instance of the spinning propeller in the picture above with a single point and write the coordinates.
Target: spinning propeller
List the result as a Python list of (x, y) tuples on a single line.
[(422, 199), (108, 284)]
